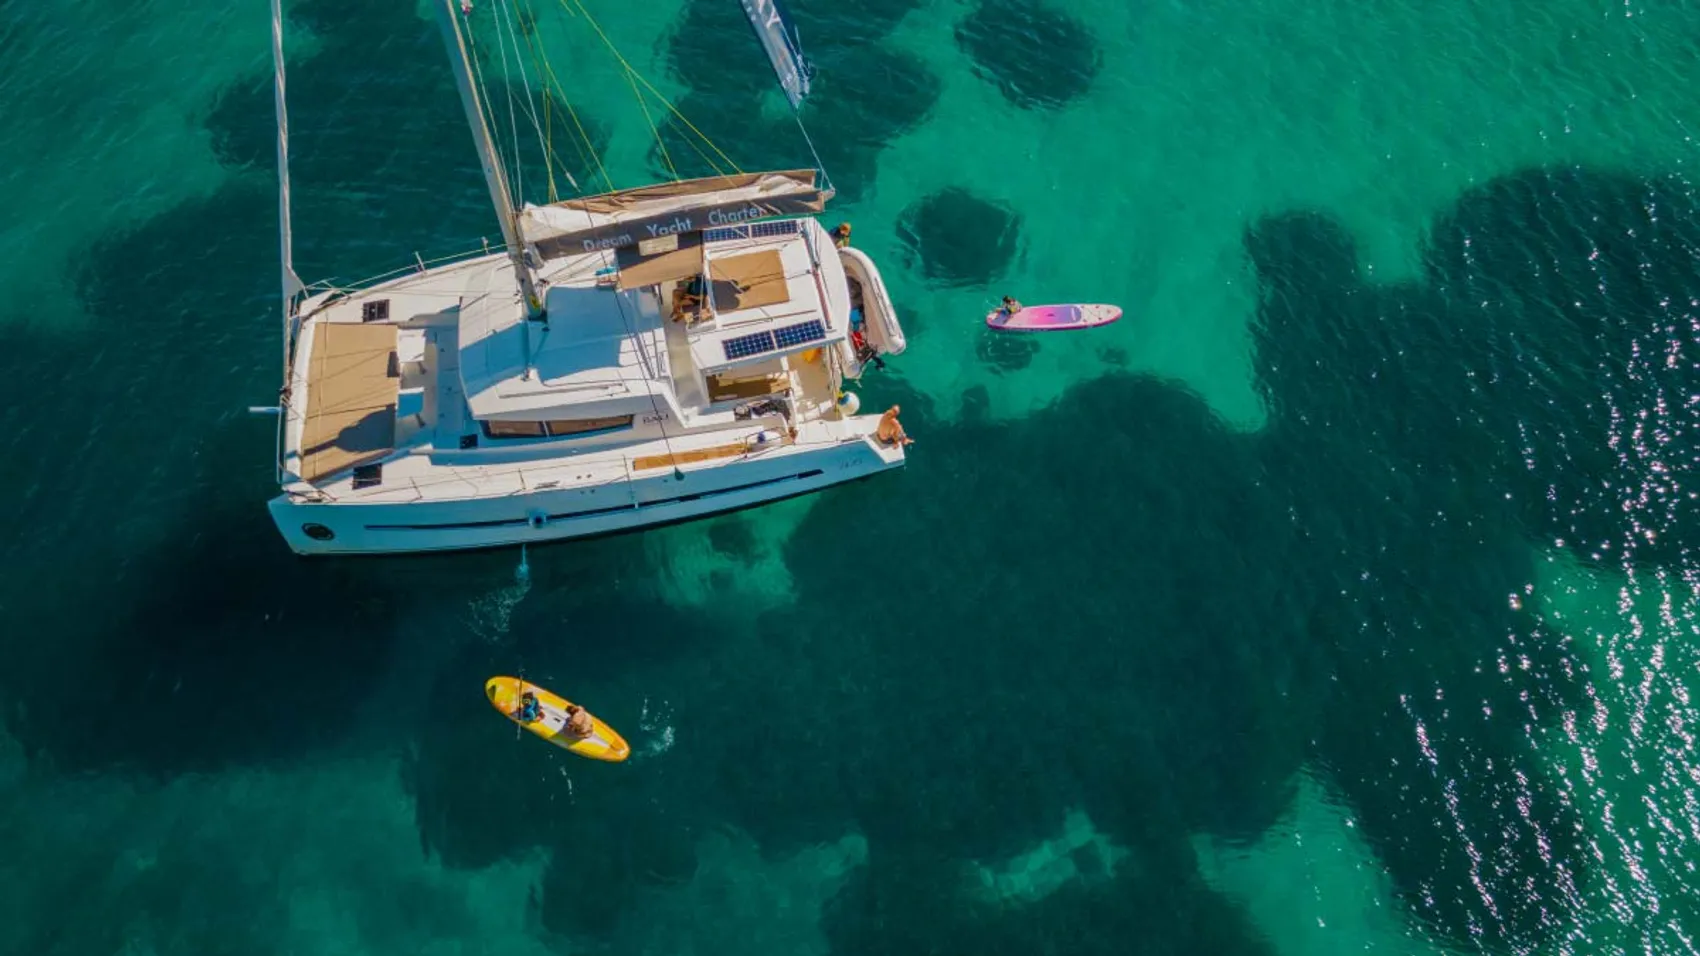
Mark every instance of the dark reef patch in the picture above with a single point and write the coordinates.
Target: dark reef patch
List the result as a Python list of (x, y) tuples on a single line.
[(976, 405), (909, 902), (1106, 684), (863, 96), (831, 28), (1005, 351), (956, 238), (734, 537), (1038, 57), (364, 203), (1473, 415), (1579, 294), (853, 115)]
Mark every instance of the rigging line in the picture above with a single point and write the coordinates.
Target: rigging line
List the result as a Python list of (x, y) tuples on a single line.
[(812, 151), (513, 118), (545, 76), (583, 143), (648, 85), (526, 19), (483, 88), (510, 19), (654, 130)]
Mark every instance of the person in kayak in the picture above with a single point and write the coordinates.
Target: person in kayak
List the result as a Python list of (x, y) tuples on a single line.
[(579, 724), (530, 711)]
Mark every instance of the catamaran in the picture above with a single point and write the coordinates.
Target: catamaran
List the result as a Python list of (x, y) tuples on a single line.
[(630, 359)]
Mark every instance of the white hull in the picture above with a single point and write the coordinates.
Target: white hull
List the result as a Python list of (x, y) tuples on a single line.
[(384, 450), (562, 514)]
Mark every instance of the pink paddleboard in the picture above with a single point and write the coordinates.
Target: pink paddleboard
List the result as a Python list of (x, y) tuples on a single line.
[(1053, 318)]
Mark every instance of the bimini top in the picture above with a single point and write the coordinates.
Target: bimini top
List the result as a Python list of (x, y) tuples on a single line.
[(629, 216)]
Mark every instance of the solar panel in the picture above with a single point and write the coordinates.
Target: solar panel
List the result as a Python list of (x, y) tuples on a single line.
[(795, 335), (745, 346), (755, 230)]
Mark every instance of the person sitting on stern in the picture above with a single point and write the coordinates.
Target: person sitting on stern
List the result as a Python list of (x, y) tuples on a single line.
[(890, 430), (841, 235)]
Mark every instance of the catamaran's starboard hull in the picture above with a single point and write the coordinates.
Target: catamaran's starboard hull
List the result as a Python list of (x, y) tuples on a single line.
[(564, 514)]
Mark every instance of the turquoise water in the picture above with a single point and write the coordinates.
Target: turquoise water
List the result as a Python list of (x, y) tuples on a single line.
[(1340, 599)]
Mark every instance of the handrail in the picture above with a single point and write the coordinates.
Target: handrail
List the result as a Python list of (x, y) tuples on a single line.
[(487, 472), (332, 284)]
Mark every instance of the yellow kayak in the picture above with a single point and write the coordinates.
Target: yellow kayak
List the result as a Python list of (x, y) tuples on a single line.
[(602, 744)]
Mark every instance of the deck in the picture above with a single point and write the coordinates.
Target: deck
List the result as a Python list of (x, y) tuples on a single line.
[(353, 382)]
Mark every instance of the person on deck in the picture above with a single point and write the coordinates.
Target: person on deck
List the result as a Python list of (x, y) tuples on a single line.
[(529, 711), (579, 724), (890, 430), (841, 235), (1010, 306)]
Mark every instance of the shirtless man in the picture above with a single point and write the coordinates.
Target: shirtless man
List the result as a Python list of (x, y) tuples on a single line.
[(578, 723), (890, 430)]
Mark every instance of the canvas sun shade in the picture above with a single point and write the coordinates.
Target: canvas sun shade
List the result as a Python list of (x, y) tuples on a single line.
[(749, 281), (629, 216), (638, 270)]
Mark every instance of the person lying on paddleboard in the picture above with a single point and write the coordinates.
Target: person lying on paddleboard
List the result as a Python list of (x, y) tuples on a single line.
[(578, 722), (1010, 306)]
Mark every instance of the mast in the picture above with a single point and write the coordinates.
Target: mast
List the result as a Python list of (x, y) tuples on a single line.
[(494, 176), (291, 282), (288, 280)]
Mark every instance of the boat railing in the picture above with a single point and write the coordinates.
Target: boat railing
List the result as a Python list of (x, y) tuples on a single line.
[(420, 264), (531, 479)]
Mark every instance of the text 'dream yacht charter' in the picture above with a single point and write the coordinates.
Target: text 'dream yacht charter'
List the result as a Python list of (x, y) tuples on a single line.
[(630, 359)]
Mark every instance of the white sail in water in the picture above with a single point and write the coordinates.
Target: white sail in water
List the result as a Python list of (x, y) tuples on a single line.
[(779, 38)]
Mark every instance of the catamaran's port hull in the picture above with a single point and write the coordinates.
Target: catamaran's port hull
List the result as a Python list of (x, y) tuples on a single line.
[(564, 514)]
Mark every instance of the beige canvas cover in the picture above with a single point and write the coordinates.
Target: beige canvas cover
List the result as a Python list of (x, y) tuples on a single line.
[(628, 216), (749, 281), (638, 271)]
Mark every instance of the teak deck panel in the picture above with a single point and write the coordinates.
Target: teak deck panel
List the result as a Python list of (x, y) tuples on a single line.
[(352, 387)]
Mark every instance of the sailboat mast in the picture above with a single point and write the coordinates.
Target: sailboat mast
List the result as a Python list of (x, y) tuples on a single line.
[(291, 283), (494, 176)]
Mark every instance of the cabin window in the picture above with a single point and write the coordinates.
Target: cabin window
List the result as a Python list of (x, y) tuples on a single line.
[(585, 426), (500, 429), (556, 429)]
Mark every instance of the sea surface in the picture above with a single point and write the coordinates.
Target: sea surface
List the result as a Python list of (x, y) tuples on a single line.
[(1340, 599)]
